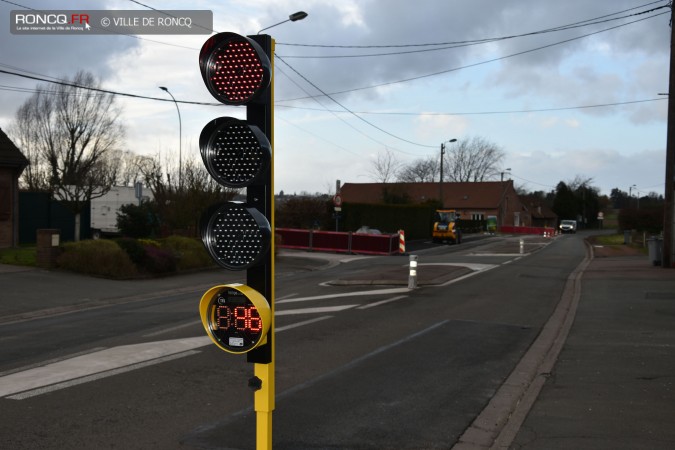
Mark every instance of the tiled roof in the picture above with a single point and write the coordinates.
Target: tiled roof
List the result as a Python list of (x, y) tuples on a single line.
[(487, 195), (10, 155)]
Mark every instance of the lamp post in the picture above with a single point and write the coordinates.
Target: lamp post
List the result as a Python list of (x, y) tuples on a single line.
[(440, 185), (292, 18), (630, 193), (180, 139)]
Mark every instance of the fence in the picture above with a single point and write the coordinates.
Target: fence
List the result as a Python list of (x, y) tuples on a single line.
[(332, 241)]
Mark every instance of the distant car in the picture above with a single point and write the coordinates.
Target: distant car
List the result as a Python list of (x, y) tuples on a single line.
[(568, 226), (368, 230)]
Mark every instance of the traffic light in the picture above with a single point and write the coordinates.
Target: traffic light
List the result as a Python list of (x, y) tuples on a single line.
[(237, 70), (236, 317)]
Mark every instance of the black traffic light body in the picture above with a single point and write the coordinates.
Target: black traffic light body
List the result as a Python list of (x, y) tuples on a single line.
[(261, 197), (237, 70)]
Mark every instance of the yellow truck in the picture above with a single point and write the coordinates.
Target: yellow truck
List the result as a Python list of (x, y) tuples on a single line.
[(445, 227)]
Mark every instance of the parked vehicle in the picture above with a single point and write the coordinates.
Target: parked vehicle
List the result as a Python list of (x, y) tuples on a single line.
[(367, 230), (445, 227), (104, 209), (568, 226)]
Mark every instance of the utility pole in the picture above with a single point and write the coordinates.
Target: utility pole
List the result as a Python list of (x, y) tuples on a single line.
[(440, 185), (669, 211)]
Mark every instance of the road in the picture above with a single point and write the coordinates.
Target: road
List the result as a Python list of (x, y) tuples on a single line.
[(358, 365)]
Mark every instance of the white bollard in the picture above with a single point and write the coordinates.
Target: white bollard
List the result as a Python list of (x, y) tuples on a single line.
[(412, 276), (522, 246)]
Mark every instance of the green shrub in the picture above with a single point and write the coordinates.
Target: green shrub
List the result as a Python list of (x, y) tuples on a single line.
[(138, 221), (190, 253), (133, 248), (151, 242), (97, 257), (158, 260)]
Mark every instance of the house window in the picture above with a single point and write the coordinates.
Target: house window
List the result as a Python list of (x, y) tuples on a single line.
[(477, 216)]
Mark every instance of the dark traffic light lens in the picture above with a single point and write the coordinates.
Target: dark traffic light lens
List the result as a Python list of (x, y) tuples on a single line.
[(235, 154), (236, 236), (235, 69)]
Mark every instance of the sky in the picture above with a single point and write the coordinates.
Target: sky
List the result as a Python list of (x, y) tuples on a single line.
[(583, 101)]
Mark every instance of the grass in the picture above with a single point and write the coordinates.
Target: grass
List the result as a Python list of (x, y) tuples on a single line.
[(20, 256), (609, 239)]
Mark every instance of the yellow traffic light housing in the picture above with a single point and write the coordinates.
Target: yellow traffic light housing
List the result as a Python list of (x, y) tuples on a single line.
[(236, 317)]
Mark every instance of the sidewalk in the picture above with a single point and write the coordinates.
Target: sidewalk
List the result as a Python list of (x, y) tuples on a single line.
[(613, 385)]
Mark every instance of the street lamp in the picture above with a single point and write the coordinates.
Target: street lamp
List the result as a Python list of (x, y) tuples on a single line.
[(630, 193), (292, 18), (180, 139), (440, 185), (504, 171)]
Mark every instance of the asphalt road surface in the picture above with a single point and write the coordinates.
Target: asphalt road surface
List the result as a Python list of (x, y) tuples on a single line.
[(359, 365)]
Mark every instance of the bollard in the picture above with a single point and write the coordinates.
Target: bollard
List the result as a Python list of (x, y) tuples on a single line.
[(412, 276), (401, 241), (522, 246)]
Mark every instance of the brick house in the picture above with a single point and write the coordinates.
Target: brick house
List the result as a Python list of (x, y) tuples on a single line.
[(473, 200), (542, 215), (12, 164)]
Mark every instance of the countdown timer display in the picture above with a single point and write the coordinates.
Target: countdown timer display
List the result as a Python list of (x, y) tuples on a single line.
[(236, 317)]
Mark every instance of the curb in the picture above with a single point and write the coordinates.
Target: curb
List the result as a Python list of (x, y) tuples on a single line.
[(498, 424)]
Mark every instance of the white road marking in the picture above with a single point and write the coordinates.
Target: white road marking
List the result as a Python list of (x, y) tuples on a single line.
[(169, 330), (321, 309), (300, 324), (98, 376), (473, 266), (389, 300), (52, 376), (346, 294), (97, 362)]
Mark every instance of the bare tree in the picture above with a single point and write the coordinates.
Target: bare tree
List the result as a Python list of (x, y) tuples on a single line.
[(133, 168), (179, 208), (419, 171), (70, 132), (35, 177), (385, 166), (473, 159)]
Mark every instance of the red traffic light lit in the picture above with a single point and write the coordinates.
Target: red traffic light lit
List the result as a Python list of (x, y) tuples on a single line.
[(235, 68), (235, 153), (236, 236)]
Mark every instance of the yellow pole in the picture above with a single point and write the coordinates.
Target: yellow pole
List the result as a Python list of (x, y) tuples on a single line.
[(264, 405)]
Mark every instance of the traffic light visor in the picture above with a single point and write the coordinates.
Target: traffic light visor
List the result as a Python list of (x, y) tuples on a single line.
[(235, 68)]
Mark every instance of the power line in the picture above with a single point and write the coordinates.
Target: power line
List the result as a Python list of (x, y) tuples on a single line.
[(457, 44), (349, 110), (454, 69), (517, 111), (105, 91), (335, 113), (560, 27)]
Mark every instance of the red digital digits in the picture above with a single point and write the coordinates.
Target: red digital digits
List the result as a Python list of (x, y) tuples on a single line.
[(243, 318)]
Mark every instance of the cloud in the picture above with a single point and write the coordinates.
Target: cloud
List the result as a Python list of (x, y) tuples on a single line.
[(625, 64)]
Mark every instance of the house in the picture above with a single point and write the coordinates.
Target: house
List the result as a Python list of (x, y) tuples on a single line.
[(12, 164), (472, 200), (542, 215)]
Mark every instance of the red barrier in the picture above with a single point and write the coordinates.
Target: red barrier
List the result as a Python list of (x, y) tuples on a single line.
[(526, 230), (332, 241)]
